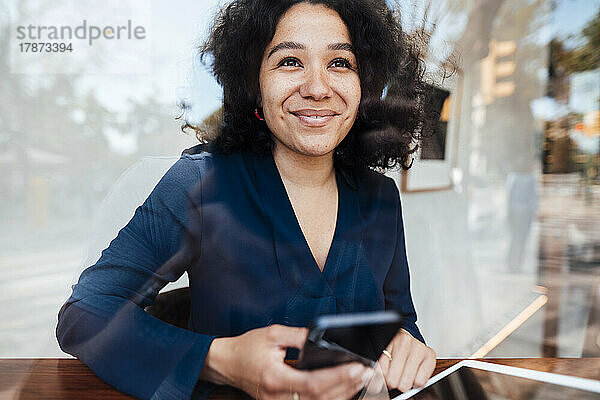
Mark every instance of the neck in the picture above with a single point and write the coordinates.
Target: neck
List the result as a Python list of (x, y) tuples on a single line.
[(305, 171)]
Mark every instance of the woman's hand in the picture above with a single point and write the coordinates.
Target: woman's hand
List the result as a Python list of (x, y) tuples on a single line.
[(254, 362), (411, 364)]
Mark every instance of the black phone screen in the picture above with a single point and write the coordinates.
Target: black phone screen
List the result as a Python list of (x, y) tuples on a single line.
[(342, 338), (365, 340)]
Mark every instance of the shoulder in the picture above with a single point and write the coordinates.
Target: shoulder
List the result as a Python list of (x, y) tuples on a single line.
[(190, 167), (379, 199), (376, 184), (183, 176)]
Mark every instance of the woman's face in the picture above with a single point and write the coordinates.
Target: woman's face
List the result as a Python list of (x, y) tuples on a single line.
[(309, 81)]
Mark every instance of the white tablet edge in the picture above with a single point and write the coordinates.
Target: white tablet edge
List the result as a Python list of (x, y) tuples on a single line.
[(431, 381), (563, 380)]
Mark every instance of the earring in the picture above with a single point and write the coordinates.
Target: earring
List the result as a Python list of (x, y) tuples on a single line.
[(258, 115)]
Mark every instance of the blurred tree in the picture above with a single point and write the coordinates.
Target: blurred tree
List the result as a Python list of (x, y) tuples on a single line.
[(49, 114), (566, 60), (586, 56)]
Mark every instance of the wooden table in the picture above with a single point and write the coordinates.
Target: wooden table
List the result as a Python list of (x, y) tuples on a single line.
[(63, 378)]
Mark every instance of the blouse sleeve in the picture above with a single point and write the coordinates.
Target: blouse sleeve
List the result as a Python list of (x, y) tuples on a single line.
[(104, 324), (396, 287)]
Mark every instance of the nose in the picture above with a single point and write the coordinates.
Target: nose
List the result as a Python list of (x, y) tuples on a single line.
[(316, 85)]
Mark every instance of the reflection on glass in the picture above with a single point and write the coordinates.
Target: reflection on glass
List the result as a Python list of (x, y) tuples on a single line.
[(528, 149)]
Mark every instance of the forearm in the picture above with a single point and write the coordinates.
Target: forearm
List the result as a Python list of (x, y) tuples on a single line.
[(114, 341)]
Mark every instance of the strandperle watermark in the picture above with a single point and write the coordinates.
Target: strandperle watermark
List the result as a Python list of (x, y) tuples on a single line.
[(91, 33), (74, 37)]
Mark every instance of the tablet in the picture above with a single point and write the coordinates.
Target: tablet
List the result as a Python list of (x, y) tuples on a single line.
[(475, 380)]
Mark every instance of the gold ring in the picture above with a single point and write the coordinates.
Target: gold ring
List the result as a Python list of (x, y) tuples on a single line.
[(295, 396), (388, 354)]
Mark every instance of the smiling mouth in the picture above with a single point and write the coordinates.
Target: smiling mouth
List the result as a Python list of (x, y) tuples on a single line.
[(314, 118)]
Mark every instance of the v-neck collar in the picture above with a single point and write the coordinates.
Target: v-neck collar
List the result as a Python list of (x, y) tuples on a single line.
[(296, 263)]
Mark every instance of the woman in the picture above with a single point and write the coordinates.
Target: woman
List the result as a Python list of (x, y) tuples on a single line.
[(282, 219)]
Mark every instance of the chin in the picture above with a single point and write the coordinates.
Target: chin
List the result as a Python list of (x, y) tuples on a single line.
[(315, 149)]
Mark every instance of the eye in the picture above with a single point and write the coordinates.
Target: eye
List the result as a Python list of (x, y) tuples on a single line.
[(341, 63), (289, 62)]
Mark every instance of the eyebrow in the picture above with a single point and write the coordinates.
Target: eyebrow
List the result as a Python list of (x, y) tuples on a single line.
[(300, 46)]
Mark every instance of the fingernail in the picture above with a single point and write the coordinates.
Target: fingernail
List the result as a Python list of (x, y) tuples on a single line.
[(355, 370)]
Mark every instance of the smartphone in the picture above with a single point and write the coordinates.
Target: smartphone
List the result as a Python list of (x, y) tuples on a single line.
[(341, 338)]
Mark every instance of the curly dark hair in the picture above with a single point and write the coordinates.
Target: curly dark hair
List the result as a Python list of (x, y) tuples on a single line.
[(387, 130)]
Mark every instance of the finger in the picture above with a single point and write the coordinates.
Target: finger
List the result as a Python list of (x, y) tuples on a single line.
[(399, 355), (341, 391), (413, 362), (284, 379), (377, 383), (384, 364), (287, 336), (315, 383), (425, 371), (347, 389), (384, 361), (335, 381)]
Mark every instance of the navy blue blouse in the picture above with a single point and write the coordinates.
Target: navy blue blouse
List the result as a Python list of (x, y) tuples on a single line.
[(228, 222)]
